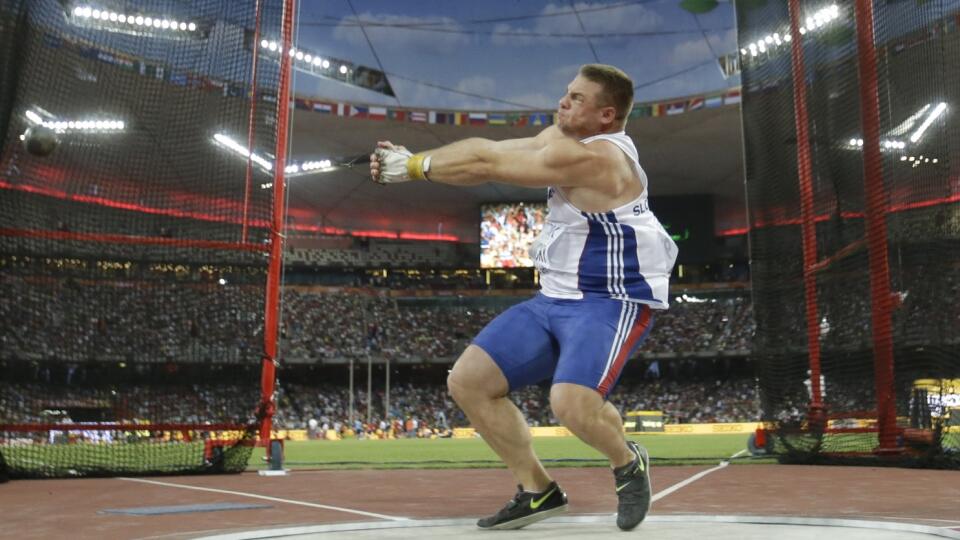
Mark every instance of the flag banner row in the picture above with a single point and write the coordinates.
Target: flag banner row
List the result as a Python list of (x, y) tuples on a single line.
[(504, 118), (184, 78)]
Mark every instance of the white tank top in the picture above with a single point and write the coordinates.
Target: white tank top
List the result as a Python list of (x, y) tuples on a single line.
[(623, 253)]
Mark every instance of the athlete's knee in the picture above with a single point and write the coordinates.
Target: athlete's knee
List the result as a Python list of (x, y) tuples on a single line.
[(475, 376), (457, 389), (574, 405)]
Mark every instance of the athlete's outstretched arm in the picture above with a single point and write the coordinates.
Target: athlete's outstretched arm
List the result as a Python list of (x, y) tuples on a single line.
[(550, 159)]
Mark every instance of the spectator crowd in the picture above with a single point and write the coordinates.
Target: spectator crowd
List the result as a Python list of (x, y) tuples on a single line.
[(47, 318), (414, 409)]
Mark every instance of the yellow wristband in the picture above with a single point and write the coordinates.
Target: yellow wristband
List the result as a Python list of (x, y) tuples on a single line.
[(415, 167)]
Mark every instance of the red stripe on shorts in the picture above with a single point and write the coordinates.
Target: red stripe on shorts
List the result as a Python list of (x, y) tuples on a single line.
[(643, 321)]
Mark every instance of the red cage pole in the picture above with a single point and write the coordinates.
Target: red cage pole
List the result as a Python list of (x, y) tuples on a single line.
[(272, 315), (807, 216), (876, 199), (251, 132)]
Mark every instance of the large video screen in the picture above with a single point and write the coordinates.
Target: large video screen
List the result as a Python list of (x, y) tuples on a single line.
[(508, 229), (506, 232), (689, 221)]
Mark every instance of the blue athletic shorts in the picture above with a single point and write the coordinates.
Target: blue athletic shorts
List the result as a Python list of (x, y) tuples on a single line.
[(585, 342)]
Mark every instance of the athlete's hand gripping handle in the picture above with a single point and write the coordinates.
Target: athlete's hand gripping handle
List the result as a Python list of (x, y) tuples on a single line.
[(392, 164)]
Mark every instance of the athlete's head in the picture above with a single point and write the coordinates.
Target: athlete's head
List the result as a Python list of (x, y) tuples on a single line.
[(597, 101)]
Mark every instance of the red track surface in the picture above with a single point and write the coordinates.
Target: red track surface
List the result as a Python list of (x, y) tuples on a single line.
[(71, 508)]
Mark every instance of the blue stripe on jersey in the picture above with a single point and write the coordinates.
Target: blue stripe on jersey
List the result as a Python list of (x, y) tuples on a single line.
[(592, 270), (609, 266), (614, 254), (637, 287)]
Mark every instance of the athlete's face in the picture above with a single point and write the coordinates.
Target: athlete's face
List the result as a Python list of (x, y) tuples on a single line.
[(581, 112)]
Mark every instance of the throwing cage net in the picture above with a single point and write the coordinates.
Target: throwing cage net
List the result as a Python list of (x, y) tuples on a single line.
[(137, 271), (853, 182)]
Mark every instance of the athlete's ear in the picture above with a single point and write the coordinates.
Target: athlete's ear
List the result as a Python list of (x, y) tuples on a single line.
[(608, 115)]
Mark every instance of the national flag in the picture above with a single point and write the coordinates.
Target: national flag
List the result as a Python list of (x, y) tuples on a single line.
[(695, 103), (343, 109), (459, 118), (497, 119), (324, 108), (418, 116), (116, 60), (732, 97), (515, 119), (377, 113), (213, 84), (150, 70), (656, 109), (358, 111), (676, 108), (179, 79), (432, 117), (444, 118), (478, 119), (713, 102), (539, 119), (397, 114), (300, 103)]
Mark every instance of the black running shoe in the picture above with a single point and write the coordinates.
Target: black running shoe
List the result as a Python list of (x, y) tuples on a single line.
[(527, 508), (633, 488)]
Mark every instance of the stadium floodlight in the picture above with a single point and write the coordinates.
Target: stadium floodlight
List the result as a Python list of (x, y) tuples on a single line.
[(159, 26), (33, 117), (308, 166), (887, 144), (305, 168), (227, 142), (934, 114), (893, 140), (292, 169), (310, 61), (75, 126), (771, 42)]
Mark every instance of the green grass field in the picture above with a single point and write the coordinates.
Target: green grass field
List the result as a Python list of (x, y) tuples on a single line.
[(177, 458), (459, 453)]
